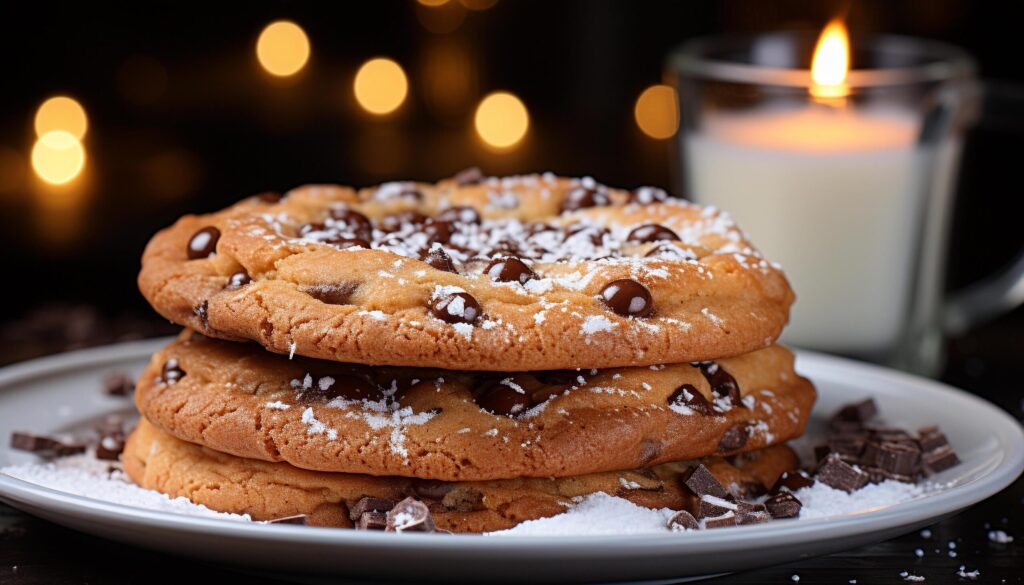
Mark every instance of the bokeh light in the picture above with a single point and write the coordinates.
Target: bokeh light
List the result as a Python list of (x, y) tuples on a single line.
[(656, 112), (283, 48), (432, 2), (380, 86), (58, 157), (61, 113), (501, 120)]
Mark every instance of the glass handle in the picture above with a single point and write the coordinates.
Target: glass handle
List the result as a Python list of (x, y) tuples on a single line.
[(985, 300)]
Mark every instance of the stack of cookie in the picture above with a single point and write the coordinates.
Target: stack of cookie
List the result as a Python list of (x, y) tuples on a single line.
[(465, 355)]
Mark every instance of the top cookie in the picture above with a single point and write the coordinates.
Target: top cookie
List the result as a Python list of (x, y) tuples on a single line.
[(511, 274)]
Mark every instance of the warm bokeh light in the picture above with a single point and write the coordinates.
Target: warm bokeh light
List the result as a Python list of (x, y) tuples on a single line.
[(58, 157), (61, 113), (283, 48), (432, 2), (501, 120), (831, 61), (380, 86), (448, 80), (656, 112)]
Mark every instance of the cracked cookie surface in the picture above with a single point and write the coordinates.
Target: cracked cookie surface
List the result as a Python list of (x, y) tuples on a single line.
[(509, 274), (451, 425), (267, 491)]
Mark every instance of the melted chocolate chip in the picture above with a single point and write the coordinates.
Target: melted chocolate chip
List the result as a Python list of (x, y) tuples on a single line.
[(582, 197), (332, 294), (460, 214), (510, 269), (502, 399), (395, 221), (353, 222), (722, 383), (687, 395), (239, 279), (439, 259), (438, 231), (470, 176), (171, 372), (203, 243), (652, 232), (458, 307), (628, 298)]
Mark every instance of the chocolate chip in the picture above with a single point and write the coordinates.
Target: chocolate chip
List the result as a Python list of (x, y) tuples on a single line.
[(628, 298), (43, 445), (410, 515), (438, 231), (893, 457), (792, 481), (509, 269), (783, 505), (734, 438), (722, 383), (701, 482), (343, 386), (498, 397), (372, 521), (462, 214), (395, 221), (834, 472), (171, 372), (456, 307), (298, 519), (353, 222), (687, 395), (203, 243), (369, 504), (439, 259), (470, 176), (332, 294), (647, 195), (118, 384), (711, 507), (930, 439), (747, 513), (111, 439), (239, 279), (652, 232), (682, 520), (939, 459), (583, 197)]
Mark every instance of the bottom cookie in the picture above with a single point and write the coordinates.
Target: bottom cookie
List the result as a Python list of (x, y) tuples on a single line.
[(267, 491)]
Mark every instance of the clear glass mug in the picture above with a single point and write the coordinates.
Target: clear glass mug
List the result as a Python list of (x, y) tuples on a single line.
[(851, 193)]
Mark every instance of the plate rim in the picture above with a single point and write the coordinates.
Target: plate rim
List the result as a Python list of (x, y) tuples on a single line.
[(952, 500)]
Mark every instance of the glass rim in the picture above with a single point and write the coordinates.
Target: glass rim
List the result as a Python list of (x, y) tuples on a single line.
[(945, 61)]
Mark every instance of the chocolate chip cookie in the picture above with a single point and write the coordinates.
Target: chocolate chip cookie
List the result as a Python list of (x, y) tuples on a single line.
[(268, 491), (462, 426), (499, 274)]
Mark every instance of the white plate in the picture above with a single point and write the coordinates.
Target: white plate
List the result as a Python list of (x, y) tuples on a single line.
[(62, 392)]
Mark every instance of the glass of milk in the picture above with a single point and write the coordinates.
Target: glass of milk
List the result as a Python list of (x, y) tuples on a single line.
[(839, 159)]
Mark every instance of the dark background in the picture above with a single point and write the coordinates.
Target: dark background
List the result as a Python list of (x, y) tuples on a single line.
[(182, 119)]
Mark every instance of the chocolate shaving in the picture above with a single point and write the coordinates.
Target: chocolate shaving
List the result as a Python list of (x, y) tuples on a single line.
[(44, 446), (682, 521)]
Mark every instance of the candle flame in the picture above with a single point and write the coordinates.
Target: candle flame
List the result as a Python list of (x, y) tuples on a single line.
[(831, 61)]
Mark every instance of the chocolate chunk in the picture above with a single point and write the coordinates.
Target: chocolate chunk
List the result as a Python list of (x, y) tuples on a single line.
[(439, 259), (431, 488), (722, 383), (628, 298), (652, 232), (835, 472), (118, 384), (710, 507), (894, 457), (735, 438), (298, 519), (44, 446), (681, 521), (456, 307), (792, 481), (687, 395), (848, 445), (857, 412), (438, 231), (727, 519), (582, 197), (395, 221), (647, 195), (331, 293), (344, 386), (460, 214), (410, 515), (203, 243), (498, 397), (747, 513), (372, 521), (352, 222), (878, 475), (939, 459), (509, 269), (239, 279), (470, 176), (171, 372), (701, 482), (783, 505), (369, 504), (930, 439), (111, 439)]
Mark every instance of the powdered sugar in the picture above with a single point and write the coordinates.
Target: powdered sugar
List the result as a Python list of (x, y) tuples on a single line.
[(597, 323), (596, 514)]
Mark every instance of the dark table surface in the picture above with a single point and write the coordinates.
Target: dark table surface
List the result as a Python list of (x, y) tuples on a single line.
[(988, 362)]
